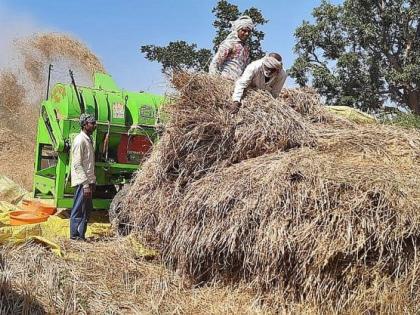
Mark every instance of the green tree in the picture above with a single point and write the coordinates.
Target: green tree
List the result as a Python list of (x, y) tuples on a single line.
[(362, 53), (181, 55), (178, 55)]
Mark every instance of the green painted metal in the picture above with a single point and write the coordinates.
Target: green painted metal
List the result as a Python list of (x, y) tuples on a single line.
[(118, 113)]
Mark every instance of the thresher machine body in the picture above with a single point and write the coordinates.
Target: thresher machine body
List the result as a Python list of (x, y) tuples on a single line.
[(126, 130)]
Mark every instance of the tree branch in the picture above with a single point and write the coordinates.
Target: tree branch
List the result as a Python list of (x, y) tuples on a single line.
[(316, 60)]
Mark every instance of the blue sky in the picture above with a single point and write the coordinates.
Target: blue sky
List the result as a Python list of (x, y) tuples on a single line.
[(115, 30)]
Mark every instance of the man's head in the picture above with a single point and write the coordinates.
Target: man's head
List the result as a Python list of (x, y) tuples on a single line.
[(272, 64), (243, 26), (88, 123)]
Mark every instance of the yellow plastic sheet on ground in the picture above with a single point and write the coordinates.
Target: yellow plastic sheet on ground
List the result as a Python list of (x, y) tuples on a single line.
[(352, 114), (139, 249), (47, 232), (57, 226)]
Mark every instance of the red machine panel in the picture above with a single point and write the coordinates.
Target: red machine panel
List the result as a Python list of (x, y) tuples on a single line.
[(132, 148)]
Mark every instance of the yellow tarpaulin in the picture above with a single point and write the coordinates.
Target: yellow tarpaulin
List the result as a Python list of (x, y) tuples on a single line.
[(351, 114), (47, 232), (57, 226)]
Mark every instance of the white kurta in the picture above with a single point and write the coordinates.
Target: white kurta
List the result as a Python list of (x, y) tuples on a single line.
[(82, 161), (253, 77)]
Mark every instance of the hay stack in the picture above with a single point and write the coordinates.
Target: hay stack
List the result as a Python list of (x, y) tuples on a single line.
[(315, 207), (299, 220), (202, 136), (306, 102), (202, 133)]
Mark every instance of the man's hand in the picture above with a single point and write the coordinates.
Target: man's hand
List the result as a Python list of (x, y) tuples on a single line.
[(87, 192), (234, 108)]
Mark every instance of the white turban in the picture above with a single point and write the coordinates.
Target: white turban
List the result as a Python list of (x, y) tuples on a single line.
[(242, 22), (272, 63), (86, 118)]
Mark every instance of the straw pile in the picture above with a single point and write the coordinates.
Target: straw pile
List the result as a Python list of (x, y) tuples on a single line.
[(311, 205), (17, 130), (299, 221), (203, 135), (108, 277)]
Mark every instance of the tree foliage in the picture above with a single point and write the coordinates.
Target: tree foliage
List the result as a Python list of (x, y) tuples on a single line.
[(178, 55), (181, 55), (362, 53)]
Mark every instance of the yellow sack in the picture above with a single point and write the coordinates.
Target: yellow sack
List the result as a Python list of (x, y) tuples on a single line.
[(352, 114)]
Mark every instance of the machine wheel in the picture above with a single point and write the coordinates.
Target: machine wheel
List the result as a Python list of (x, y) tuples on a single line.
[(119, 221)]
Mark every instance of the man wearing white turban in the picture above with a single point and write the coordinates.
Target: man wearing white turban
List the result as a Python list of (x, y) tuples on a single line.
[(266, 73), (232, 56)]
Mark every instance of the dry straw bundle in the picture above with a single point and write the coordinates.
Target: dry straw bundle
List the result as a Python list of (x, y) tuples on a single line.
[(305, 101), (295, 200)]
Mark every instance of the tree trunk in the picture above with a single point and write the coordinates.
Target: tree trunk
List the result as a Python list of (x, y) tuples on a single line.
[(413, 100)]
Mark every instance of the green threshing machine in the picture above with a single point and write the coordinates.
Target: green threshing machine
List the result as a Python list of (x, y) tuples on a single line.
[(126, 129)]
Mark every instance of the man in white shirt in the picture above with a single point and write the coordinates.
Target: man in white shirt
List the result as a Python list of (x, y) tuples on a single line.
[(82, 176), (266, 73)]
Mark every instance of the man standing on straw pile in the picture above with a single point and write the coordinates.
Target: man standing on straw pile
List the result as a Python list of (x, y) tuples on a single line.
[(82, 177), (232, 56), (266, 73)]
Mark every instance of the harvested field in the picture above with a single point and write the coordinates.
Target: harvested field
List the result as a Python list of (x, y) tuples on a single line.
[(302, 203)]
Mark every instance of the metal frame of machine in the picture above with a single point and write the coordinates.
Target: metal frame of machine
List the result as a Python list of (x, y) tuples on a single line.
[(126, 129)]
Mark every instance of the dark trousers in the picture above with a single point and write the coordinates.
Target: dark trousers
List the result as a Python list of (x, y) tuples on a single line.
[(79, 214)]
